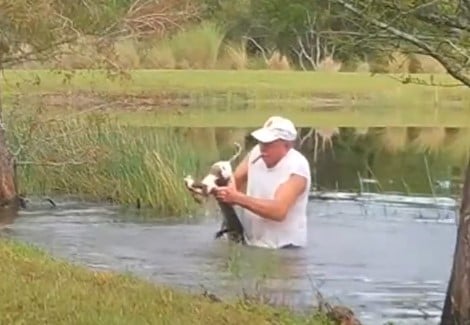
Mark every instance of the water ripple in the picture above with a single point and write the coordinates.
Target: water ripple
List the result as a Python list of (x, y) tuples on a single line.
[(380, 258)]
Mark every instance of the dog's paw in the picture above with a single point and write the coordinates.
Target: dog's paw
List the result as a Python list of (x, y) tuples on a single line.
[(189, 181), (219, 233)]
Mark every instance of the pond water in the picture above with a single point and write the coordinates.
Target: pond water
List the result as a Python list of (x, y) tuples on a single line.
[(381, 232)]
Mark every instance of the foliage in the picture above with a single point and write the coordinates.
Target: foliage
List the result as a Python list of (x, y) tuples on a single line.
[(27, 35), (307, 33), (438, 29), (303, 30)]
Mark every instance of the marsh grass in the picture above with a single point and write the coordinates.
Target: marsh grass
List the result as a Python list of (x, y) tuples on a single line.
[(92, 157), (37, 288)]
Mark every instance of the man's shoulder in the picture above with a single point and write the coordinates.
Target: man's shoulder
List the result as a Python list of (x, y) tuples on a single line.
[(299, 163), (299, 157)]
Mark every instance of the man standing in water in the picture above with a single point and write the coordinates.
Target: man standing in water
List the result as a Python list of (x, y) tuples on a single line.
[(277, 181)]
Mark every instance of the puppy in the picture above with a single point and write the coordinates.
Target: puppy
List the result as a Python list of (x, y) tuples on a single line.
[(219, 174)]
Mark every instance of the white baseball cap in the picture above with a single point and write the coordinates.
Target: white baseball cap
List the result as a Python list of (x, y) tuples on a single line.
[(276, 127)]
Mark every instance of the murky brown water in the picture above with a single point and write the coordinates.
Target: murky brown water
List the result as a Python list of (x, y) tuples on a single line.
[(387, 261)]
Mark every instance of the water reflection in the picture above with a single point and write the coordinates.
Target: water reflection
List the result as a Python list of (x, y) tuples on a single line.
[(409, 160)]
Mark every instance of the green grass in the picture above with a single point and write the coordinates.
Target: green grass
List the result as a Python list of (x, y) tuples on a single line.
[(226, 98), (92, 157), (263, 84), (37, 288)]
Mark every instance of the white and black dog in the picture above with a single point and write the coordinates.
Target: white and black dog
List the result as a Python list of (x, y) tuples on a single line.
[(219, 174)]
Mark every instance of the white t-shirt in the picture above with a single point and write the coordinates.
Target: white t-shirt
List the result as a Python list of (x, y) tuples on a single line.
[(262, 183)]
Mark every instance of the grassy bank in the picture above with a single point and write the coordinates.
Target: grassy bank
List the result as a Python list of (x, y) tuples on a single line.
[(37, 288), (96, 159), (248, 84), (190, 97)]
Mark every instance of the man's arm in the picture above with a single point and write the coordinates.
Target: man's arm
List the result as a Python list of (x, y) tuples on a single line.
[(240, 175), (277, 208)]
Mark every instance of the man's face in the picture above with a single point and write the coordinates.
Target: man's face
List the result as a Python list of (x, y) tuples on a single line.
[(272, 152)]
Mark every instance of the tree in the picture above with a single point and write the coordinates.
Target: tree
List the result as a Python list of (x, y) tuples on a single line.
[(439, 29), (298, 29), (38, 30), (457, 302), (26, 35)]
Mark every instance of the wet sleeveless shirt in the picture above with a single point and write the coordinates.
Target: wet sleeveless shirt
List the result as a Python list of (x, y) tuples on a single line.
[(262, 183)]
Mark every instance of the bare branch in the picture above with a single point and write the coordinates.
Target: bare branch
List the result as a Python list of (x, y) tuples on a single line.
[(454, 69), (263, 52)]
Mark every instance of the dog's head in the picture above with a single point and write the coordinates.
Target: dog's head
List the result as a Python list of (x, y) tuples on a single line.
[(219, 174), (222, 170)]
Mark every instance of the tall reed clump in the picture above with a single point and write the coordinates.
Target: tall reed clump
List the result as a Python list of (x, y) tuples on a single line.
[(95, 158), (199, 46), (195, 47), (235, 56)]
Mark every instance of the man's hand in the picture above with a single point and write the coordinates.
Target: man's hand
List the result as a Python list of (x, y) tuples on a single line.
[(274, 209), (227, 194)]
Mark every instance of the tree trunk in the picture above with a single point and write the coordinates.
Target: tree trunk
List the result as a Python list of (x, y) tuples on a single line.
[(8, 195), (456, 309), (7, 173)]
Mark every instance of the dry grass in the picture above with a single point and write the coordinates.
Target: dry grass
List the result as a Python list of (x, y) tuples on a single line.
[(159, 56), (278, 62), (328, 64), (197, 46), (398, 63), (235, 56), (457, 145), (394, 139), (430, 139), (80, 55), (427, 64), (127, 54)]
